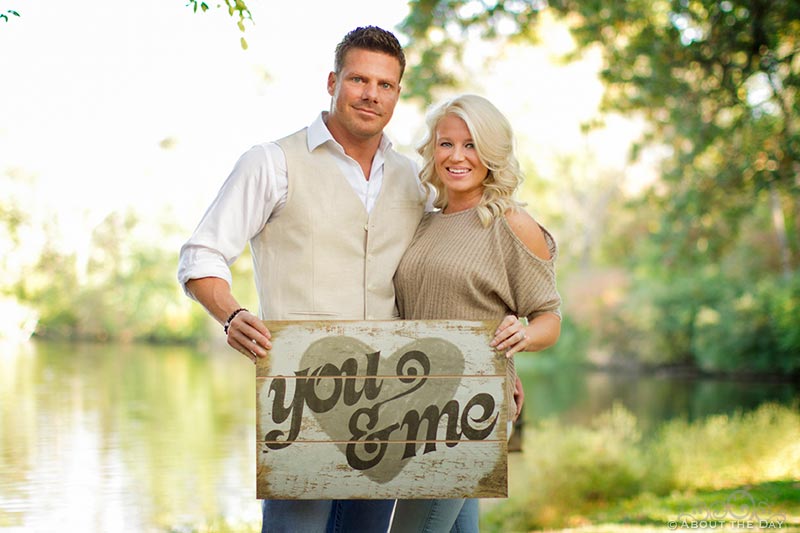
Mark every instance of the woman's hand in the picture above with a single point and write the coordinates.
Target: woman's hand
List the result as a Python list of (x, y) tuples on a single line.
[(519, 398), (511, 335)]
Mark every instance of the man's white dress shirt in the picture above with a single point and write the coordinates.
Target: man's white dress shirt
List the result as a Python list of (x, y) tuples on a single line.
[(254, 192)]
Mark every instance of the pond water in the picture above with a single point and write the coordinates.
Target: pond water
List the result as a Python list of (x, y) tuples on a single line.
[(133, 438)]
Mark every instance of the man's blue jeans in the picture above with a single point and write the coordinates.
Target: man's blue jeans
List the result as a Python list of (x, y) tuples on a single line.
[(436, 516), (326, 516)]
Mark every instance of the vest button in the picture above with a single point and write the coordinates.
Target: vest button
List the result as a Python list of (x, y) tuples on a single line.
[(366, 227)]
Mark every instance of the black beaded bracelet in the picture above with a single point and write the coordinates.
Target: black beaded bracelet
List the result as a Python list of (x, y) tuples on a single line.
[(230, 319)]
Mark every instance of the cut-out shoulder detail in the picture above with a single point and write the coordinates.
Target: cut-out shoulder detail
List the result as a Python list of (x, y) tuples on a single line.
[(529, 232)]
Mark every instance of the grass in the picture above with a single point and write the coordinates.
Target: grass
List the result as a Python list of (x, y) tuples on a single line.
[(608, 477), (769, 503)]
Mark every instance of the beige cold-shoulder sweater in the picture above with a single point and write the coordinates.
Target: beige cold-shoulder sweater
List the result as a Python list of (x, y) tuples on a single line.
[(457, 269)]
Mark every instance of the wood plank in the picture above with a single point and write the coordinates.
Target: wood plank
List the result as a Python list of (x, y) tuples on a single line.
[(388, 337), (477, 470)]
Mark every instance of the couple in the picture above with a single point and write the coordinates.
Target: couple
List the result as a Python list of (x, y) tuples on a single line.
[(337, 226)]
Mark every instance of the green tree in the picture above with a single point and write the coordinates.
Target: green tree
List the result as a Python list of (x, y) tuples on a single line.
[(235, 8), (716, 255), (717, 81), (4, 15)]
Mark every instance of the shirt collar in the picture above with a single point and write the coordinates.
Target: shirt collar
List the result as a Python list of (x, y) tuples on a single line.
[(318, 134)]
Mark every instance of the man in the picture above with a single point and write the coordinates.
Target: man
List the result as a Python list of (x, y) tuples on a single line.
[(328, 212)]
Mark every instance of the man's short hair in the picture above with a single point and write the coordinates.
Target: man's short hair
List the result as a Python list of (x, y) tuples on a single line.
[(370, 38)]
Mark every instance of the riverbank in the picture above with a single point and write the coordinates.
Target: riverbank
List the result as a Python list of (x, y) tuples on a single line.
[(744, 466), (733, 510), (761, 506)]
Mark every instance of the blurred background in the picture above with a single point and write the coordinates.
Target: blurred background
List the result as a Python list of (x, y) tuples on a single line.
[(661, 144)]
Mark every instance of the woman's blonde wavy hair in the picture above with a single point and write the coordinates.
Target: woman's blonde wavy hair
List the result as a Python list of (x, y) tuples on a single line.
[(494, 143)]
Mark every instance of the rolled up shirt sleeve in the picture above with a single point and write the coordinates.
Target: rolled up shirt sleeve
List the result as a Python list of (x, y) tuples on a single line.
[(252, 193)]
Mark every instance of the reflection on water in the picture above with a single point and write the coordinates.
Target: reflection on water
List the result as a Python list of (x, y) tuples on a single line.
[(577, 397), (138, 438), (125, 438)]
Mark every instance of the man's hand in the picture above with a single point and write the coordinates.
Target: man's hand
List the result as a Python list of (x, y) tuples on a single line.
[(248, 335)]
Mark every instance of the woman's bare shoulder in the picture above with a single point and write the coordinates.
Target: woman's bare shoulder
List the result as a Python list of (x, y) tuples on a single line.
[(528, 231)]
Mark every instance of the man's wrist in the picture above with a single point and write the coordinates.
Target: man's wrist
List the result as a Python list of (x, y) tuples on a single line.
[(230, 319)]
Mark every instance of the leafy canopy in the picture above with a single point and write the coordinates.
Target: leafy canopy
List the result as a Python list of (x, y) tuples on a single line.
[(716, 80)]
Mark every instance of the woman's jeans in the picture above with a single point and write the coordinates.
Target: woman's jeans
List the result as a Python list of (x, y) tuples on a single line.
[(435, 516)]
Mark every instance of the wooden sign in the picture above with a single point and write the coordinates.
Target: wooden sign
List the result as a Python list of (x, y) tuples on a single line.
[(373, 410)]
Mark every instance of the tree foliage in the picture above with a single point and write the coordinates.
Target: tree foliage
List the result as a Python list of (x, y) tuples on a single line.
[(718, 83), (4, 15), (236, 8), (717, 80)]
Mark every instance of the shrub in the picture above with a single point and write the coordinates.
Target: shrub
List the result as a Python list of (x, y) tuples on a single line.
[(753, 329), (725, 451), (569, 472)]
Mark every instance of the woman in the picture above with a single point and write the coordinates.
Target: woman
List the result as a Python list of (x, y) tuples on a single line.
[(479, 257)]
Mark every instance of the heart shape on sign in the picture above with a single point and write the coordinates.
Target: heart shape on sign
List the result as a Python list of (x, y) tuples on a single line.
[(374, 409)]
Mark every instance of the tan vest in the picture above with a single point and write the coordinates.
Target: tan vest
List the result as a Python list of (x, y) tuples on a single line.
[(322, 257)]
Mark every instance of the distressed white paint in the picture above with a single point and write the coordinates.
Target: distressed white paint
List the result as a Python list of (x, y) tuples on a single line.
[(326, 427)]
